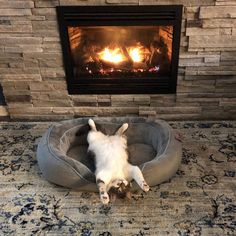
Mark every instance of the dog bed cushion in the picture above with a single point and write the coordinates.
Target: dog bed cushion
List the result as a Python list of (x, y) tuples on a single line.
[(62, 155)]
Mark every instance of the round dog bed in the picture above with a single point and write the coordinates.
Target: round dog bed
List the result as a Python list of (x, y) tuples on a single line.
[(152, 146)]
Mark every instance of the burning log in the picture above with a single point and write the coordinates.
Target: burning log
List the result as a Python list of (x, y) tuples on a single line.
[(122, 66), (127, 56)]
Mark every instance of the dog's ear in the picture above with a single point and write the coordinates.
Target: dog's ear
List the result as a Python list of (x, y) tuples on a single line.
[(83, 130)]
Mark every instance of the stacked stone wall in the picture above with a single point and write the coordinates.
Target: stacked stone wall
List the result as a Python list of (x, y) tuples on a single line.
[(33, 77)]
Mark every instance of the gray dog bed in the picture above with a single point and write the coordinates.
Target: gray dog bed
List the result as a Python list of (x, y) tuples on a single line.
[(62, 156)]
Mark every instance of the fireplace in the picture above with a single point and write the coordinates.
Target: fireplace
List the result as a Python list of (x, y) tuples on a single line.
[(120, 49)]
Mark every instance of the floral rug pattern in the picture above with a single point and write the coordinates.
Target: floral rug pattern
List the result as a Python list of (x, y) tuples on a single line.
[(199, 200)]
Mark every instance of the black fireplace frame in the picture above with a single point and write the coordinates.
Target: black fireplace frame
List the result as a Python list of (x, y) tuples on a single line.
[(159, 15)]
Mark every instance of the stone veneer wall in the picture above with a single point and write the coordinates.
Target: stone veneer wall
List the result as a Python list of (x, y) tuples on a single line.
[(33, 78)]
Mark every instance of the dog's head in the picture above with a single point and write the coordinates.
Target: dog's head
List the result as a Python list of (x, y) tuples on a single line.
[(122, 191)]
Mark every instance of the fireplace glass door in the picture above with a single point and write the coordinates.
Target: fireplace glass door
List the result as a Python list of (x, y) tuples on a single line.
[(120, 49), (117, 52)]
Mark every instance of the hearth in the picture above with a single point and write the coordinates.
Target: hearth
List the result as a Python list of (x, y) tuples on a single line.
[(120, 49)]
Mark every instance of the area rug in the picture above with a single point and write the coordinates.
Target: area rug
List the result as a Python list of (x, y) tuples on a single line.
[(199, 200)]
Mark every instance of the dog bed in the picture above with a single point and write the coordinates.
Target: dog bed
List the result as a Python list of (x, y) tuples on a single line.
[(152, 145)]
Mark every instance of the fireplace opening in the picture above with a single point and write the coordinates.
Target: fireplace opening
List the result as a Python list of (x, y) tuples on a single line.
[(120, 49)]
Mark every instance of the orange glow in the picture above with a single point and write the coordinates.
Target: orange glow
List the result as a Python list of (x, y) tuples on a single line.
[(112, 55), (116, 55), (136, 53)]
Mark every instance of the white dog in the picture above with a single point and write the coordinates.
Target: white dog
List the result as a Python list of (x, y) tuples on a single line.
[(111, 161)]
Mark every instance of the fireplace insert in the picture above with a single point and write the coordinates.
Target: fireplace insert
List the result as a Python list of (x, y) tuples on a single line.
[(120, 49)]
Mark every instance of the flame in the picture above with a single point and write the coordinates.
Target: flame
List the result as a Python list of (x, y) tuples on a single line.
[(116, 54), (136, 54), (112, 55)]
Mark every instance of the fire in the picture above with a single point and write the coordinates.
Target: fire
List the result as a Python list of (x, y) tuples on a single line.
[(112, 55), (136, 54), (116, 55)]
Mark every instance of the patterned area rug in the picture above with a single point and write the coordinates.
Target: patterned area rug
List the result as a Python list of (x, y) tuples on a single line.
[(199, 200)]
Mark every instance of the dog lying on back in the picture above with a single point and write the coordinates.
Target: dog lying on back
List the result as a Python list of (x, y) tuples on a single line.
[(112, 169)]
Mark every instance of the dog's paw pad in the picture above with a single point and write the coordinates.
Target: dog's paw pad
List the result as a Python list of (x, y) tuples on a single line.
[(104, 198), (145, 187)]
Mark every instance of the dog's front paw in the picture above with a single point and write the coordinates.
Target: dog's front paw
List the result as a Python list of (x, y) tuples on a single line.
[(145, 186), (104, 198)]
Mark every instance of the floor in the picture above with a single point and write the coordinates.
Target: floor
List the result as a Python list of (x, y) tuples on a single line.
[(199, 200)]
